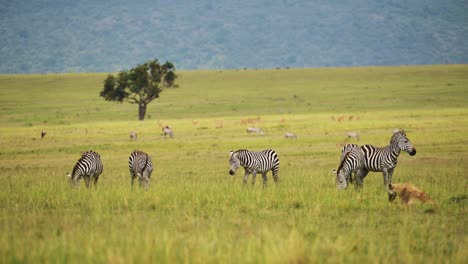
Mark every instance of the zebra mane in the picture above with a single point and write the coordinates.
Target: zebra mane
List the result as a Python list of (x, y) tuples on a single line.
[(78, 162), (146, 161), (237, 151), (342, 163), (398, 134)]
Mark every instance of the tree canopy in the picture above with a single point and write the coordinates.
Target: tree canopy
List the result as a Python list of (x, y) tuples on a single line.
[(140, 85)]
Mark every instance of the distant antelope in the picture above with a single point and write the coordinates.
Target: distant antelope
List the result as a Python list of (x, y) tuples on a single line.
[(43, 133), (290, 135), (167, 130), (256, 130), (352, 134), (133, 136)]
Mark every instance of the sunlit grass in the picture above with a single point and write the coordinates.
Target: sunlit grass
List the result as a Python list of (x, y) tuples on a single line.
[(194, 211)]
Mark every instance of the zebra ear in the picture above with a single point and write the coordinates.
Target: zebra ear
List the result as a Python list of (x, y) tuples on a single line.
[(334, 171), (231, 152), (68, 175)]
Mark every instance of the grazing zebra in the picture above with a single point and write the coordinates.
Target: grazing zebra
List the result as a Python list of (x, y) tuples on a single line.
[(256, 130), (255, 162), (88, 167), (141, 167), (352, 160), (385, 159), (167, 130), (133, 136), (290, 135)]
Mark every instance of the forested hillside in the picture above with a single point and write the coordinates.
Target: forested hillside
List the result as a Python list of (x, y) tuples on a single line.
[(101, 36)]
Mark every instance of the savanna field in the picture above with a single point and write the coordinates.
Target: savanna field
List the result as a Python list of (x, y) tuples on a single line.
[(194, 211)]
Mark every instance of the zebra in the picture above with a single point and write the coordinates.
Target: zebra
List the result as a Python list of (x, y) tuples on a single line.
[(43, 134), (256, 130), (141, 167), (290, 135), (352, 160), (88, 167), (254, 162), (385, 159), (167, 130)]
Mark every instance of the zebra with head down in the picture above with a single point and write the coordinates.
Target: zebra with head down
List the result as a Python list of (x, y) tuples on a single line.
[(352, 160), (255, 162), (88, 167), (385, 159), (141, 167)]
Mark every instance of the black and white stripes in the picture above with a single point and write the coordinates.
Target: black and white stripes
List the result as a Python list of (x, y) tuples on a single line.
[(141, 167), (255, 162), (385, 159), (374, 159), (352, 161), (88, 167)]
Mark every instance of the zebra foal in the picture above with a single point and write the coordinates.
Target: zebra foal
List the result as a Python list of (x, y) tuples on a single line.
[(385, 159), (141, 167), (255, 162), (88, 167)]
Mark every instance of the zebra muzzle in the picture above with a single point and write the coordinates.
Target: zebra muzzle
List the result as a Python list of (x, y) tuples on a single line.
[(413, 152), (231, 172)]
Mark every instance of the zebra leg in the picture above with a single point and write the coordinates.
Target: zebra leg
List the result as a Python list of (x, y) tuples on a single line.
[(391, 193), (87, 180), (246, 177), (132, 179), (385, 177), (264, 176), (95, 180), (275, 176), (254, 174), (359, 177), (390, 174)]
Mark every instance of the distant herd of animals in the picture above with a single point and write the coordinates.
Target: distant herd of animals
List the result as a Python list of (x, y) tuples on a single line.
[(355, 161)]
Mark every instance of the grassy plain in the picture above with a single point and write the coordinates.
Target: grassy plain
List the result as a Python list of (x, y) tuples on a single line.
[(194, 211)]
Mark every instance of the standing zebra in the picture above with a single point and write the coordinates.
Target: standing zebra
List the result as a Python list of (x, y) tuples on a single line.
[(88, 167), (254, 162), (141, 167), (352, 160), (385, 159)]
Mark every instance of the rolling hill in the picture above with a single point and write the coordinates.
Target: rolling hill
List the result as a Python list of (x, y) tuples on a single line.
[(102, 36)]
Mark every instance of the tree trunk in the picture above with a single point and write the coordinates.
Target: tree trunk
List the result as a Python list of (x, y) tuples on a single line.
[(141, 111)]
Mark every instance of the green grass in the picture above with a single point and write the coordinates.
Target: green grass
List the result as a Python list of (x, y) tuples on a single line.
[(194, 211)]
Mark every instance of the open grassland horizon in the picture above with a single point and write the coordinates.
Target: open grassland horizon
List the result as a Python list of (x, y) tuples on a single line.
[(194, 211)]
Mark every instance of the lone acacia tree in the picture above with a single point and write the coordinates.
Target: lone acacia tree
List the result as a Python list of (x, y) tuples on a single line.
[(140, 85)]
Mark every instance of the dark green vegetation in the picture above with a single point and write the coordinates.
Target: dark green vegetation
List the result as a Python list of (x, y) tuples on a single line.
[(140, 85), (100, 36), (194, 211)]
